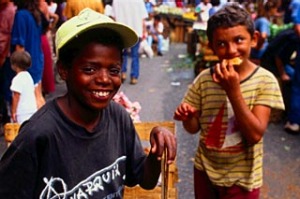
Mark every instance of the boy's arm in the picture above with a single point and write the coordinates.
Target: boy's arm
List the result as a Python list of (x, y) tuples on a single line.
[(252, 123), (189, 117), (14, 105), (161, 139), (152, 169), (191, 125), (280, 68)]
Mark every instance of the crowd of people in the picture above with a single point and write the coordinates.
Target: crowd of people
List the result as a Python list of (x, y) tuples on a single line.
[(89, 41)]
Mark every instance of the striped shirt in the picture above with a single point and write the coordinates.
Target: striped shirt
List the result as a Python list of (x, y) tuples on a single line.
[(222, 152)]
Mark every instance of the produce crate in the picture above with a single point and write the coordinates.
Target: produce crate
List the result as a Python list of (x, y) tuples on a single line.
[(143, 129)]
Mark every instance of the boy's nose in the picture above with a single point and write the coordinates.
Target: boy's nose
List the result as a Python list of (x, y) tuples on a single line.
[(232, 48), (102, 76)]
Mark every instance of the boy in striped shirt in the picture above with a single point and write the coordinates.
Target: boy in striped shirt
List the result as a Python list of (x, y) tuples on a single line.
[(230, 104)]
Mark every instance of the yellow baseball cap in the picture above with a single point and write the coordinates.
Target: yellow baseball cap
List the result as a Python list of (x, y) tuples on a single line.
[(89, 19)]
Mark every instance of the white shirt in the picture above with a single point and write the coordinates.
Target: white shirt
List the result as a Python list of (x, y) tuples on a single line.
[(204, 9), (156, 30), (23, 84), (130, 12)]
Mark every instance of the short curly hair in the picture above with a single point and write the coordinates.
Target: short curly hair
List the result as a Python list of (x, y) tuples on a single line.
[(229, 16)]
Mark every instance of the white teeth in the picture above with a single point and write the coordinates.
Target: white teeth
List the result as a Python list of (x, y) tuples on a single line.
[(101, 94)]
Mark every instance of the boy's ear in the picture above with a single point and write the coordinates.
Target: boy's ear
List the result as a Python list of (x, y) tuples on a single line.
[(255, 39), (62, 71)]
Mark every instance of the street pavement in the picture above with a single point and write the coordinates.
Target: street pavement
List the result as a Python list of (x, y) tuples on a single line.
[(160, 89)]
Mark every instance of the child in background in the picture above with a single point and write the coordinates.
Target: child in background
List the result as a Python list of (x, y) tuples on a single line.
[(23, 104), (83, 144), (230, 104), (155, 33)]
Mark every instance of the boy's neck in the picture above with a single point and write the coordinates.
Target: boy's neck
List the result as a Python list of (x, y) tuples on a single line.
[(18, 70), (246, 69)]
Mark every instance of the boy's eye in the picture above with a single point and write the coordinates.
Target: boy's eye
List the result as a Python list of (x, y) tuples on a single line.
[(239, 40), (115, 70), (88, 69), (221, 44)]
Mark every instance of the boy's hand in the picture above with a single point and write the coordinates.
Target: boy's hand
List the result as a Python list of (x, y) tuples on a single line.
[(162, 139), (226, 76), (185, 111)]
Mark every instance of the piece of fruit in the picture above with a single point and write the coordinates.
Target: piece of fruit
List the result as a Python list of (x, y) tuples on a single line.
[(234, 61)]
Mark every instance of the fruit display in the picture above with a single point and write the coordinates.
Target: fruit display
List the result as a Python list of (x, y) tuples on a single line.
[(189, 16), (165, 9), (186, 13)]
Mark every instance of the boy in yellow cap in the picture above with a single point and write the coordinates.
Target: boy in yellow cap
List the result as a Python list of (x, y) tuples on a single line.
[(82, 144)]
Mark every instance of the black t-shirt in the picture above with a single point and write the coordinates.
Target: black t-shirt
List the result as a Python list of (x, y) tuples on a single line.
[(52, 157)]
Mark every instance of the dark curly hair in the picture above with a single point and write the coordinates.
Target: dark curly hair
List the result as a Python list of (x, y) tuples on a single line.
[(229, 16)]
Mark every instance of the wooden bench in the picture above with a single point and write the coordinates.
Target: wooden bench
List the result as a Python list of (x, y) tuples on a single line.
[(143, 129)]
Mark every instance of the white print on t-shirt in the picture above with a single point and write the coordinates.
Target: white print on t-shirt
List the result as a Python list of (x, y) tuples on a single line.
[(232, 136), (86, 188)]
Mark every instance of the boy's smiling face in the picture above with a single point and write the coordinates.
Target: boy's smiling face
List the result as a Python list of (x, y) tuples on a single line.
[(232, 42), (94, 77)]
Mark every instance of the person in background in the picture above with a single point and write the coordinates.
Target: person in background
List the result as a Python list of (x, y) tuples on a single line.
[(23, 104), (279, 58), (197, 2), (262, 25), (61, 4), (73, 7), (230, 104), (7, 14), (179, 3), (223, 2), (150, 4), (132, 13), (26, 35), (295, 14), (108, 8), (293, 117), (51, 14), (202, 11), (83, 144), (155, 33), (216, 5), (49, 23), (285, 9)]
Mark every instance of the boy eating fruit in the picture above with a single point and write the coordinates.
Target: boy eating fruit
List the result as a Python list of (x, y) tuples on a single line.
[(230, 104)]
